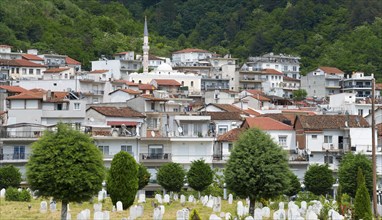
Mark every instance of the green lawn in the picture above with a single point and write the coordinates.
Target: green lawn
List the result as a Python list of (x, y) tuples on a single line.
[(19, 210)]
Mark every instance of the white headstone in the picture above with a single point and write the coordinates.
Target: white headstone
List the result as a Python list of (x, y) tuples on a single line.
[(43, 207), (191, 198), (133, 212), (68, 216), (113, 209), (52, 206), (214, 217), (228, 216), (2, 193), (97, 207), (98, 215), (258, 214), (102, 195), (176, 197), (230, 199), (86, 213), (166, 198), (80, 216), (182, 214), (240, 208), (157, 214), (281, 205), (141, 197), (182, 199), (119, 206), (217, 204), (304, 205), (210, 203), (311, 215), (249, 218), (106, 215), (162, 209)]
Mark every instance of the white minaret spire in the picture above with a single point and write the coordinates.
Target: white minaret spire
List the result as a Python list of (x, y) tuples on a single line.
[(145, 48)]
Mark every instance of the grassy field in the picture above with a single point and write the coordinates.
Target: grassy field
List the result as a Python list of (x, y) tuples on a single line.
[(19, 210)]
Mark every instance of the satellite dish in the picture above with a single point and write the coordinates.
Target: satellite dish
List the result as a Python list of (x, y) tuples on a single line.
[(152, 134), (180, 129), (91, 119)]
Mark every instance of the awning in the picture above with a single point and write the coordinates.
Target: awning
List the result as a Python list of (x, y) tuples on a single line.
[(127, 123)]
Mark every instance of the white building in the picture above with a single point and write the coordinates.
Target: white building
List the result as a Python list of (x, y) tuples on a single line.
[(189, 56)]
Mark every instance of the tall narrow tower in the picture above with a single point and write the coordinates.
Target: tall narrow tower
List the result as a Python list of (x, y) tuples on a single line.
[(145, 48)]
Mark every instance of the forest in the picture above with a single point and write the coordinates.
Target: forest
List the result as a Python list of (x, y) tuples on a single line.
[(346, 34)]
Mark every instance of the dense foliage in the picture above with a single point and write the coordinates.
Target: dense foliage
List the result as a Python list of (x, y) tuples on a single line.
[(318, 179), (348, 169), (171, 176), (143, 176), (12, 194), (257, 167), (341, 33), (294, 185), (66, 165), (200, 175), (10, 176), (362, 203), (122, 179)]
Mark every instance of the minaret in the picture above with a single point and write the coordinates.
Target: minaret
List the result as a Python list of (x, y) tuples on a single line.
[(145, 48)]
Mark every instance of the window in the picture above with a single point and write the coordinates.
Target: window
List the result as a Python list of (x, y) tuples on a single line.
[(328, 139), (127, 148), (314, 136), (360, 112), (285, 68), (222, 129), (24, 71), (198, 130), (294, 68), (155, 151), (38, 72), (328, 159), (77, 126), (30, 71), (17, 70), (152, 123), (95, 100), (192, 83), (230, 147), (184, 129), (153, 106), (277, 66), (77, 106), (104, 149), (283, 141), (18, 152), (58, 106)]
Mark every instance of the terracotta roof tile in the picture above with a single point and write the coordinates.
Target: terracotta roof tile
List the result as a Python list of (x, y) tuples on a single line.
[(99, 71), (111, 111), (287, 78), (254, 91), (320, 122), (253, 112), (14, 89), (167, 82), (19, 62), (328, 69), (71, 61), (284, 118), (56, 70), (32, 57), (152, 98), (146, 87), (191, 50), (266, 123), (227, 107), (26, 95), (232, 135), (225, 115), (125, 82), (261, 98), (271, 72), (129, 91)]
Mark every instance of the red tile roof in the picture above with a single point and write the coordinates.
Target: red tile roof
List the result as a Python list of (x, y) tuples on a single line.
[(287, 78), (14, 89), (99, 71), (267, 124), (125, 82), (32, 57), (231, 136), (129, 91), (271, 72), (26, 95), (146, 87), (153, 57), (284, 118), (167, 82), (19, 62), (225, 115), (71, 61), (254, 91), (5, 46), (261, 98), (56, 70), (191, 50), (328, 69), (320, 122), (111, 111), (123, 53), (227, 107), (250, 111), (152, 98)]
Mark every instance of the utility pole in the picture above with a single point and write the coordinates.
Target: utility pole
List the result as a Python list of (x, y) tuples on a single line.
[(374, 159)]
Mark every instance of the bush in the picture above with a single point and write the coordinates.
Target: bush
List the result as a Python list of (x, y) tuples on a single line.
[(362, 207), (200, 175), (122, 180), (171, 176), (10, 176), (12, 194), (143, 176), (319, 179)]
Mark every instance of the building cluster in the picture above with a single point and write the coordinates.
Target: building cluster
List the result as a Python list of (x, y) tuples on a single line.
[(192, 106)]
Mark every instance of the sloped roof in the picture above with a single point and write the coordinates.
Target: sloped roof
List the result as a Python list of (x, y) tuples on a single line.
[(261, 98), (254, 91), (271, 72), (231, 135), (320, 122), (14, 89), (250, 111), (99, 71), (153, 57), (227, 107), (225, 115), (167, 82), (125, 82), (71, 61), (56, 70), (328, 69), (281, 117), (129, 91), (191, 50), (267, 124), (26, 95), (19, 62), (32, 57), (111, 111), (146, 87), (287, 78)]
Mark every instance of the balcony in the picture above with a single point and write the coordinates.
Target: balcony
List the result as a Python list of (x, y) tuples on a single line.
[(155, 157), (357, 86), (250, 79), (220, 158), (21, 157), (21, 134), (214, 87), (298, 159)]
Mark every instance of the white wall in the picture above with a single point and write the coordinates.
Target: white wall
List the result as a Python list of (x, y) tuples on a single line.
[(188, 151)]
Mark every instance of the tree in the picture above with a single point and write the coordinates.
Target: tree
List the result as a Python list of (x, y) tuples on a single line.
[(257, 167), (65, 165), (294, 185), (10, 176), (171, 176), (362, 206), (122, 179), (347, 173), (299, 95), (318, 179), (143, 176), (200, 175)]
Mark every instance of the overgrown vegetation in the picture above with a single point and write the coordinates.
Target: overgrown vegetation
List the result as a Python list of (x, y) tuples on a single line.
[(10, 176), (200, 175), (171, 176), (318, 179), (12, 194), (143, 176)]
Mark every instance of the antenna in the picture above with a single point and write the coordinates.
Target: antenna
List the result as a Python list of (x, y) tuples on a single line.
[(180, 130), (152, 134)]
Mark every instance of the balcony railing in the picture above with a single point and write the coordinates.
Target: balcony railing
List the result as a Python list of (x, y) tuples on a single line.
[(155, 157), (21, 134), (220, 157), (14, 157)]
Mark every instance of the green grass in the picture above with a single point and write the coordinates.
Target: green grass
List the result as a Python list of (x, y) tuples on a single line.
[(19, 210)]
